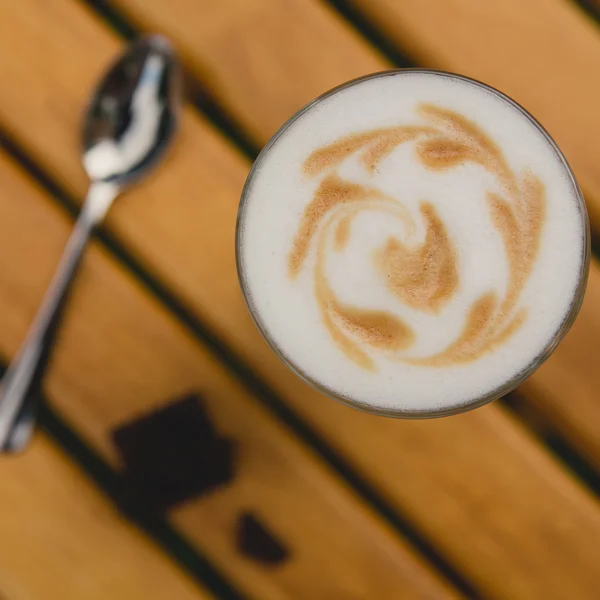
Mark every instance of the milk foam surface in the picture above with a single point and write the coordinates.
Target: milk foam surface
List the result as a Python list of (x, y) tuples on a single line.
[(399, 378)]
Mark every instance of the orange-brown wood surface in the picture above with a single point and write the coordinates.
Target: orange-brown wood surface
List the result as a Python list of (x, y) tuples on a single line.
[(482, 490), (61, 540)]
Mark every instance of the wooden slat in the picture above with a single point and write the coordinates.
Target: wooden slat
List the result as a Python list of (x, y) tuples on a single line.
[(477, 485), (121, 355), (230, 54), (61, 540)]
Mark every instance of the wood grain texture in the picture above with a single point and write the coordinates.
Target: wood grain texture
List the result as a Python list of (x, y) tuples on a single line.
[(228, 46), (122, 355), (61, 540), (477, 485)]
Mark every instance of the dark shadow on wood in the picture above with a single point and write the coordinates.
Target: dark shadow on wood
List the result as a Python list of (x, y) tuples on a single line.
[(526, 412), (590, 7), (173, 454), (257, 543), (376, 38)]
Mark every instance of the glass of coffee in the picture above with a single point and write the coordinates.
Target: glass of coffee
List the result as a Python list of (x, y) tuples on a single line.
[(413, 243)]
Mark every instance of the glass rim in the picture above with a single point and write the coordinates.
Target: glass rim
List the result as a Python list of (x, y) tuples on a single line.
[(497, 392)]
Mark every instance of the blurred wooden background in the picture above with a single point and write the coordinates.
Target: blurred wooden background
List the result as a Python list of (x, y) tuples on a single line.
[(255, 486)]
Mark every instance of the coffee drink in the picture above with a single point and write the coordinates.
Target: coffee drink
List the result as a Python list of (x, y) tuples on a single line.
[(413, 243)]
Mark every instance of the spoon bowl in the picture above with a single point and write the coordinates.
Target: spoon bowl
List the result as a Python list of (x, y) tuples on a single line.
[(133, 114)]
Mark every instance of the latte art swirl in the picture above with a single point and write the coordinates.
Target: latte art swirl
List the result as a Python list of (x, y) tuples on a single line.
[(412, 243), (423, 275)]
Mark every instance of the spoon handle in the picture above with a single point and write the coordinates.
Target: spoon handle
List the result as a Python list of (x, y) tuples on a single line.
[(20, 386)]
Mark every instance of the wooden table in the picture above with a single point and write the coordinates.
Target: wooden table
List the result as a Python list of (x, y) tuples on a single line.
[(310, 499)]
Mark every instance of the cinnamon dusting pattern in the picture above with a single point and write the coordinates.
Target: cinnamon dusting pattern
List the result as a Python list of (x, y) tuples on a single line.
[(421, 275)]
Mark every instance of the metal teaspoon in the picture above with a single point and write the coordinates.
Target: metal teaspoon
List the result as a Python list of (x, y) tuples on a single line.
[(129, 123)]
